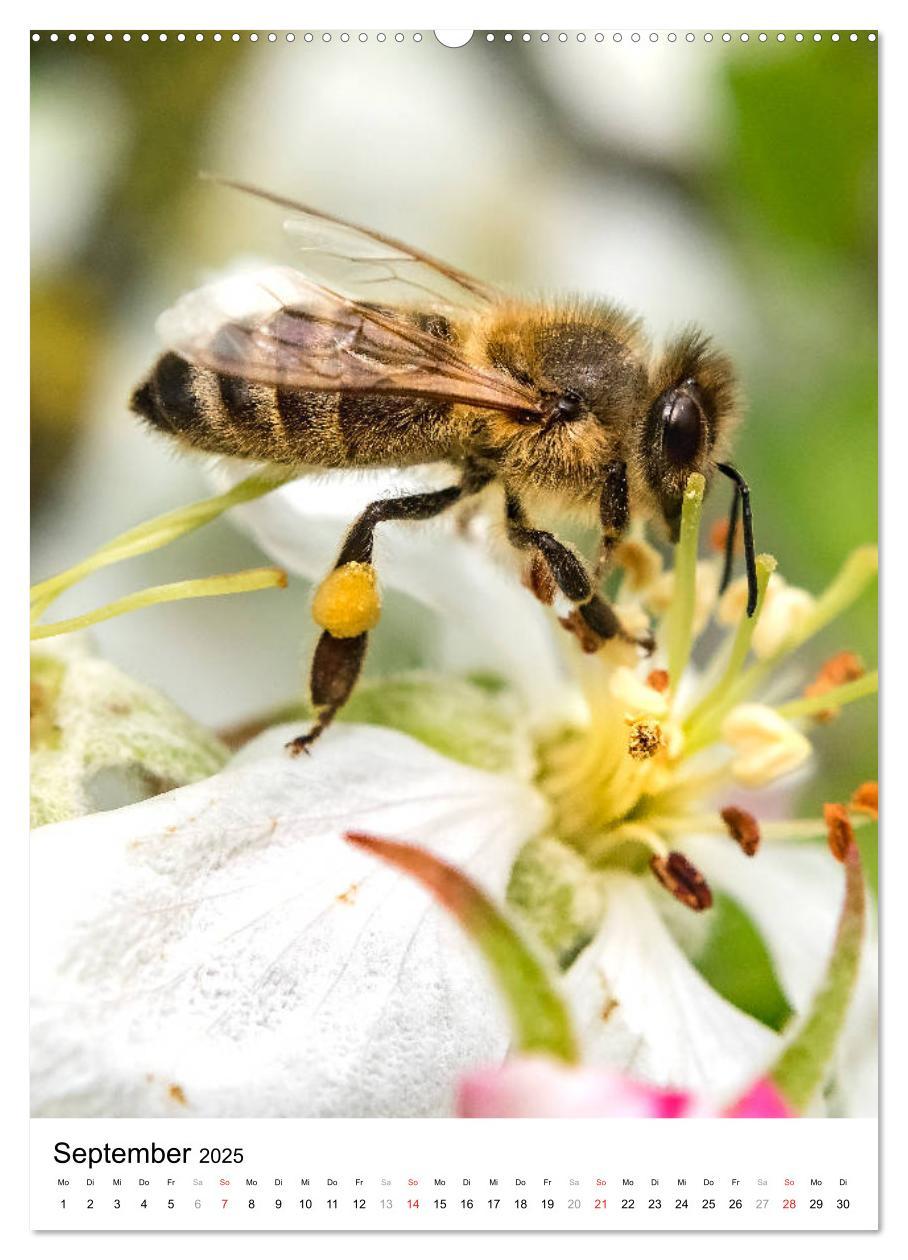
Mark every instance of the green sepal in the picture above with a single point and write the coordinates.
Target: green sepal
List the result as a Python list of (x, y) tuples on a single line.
[(804, 1065), (88, 717)]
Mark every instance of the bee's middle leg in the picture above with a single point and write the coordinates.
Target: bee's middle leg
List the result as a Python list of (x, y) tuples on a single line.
[(571, 577), (340, 651)]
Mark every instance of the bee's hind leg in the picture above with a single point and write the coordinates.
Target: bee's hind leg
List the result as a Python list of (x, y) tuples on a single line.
[(593, 620), (336, 666), (347, 605)]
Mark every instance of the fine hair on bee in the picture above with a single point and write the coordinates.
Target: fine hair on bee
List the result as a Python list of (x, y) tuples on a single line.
[(375, 355)]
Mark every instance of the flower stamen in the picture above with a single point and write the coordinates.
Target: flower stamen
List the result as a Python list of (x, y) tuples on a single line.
[(866, 800), (658, 679), (645, 738), (839, 831), (682, 879), (844, 667), (742, 827)]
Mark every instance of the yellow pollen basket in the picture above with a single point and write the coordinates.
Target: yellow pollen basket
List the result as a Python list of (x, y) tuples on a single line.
[(347, 602)]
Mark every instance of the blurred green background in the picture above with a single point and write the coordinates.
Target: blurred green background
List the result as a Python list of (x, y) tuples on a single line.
[(734, 185)]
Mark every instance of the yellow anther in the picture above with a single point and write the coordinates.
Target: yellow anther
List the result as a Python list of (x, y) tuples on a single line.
[(347, 603), (768, 746), (644, 739)]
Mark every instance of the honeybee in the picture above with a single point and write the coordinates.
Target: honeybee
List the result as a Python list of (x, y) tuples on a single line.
[(374, 354)]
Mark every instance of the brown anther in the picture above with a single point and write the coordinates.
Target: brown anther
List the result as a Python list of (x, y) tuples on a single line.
[(718, 536), (842, 668), (743, 827), (538, 578), (658, 679), (866, 800), (586, 636), (839, 831), (644, 739), (683, 880)]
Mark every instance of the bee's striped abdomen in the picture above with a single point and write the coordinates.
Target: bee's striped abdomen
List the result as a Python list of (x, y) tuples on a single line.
[(229, 415), (166, 398)]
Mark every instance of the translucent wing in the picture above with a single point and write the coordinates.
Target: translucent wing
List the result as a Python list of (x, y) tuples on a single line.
[(280, 328), (363, 264)]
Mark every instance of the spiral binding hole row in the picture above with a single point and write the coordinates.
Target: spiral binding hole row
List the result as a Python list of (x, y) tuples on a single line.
[(399, 37)]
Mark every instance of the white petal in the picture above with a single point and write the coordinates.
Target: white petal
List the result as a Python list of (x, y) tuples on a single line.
[(643, 1009), (460, 567), (793, 894), (220, 950)]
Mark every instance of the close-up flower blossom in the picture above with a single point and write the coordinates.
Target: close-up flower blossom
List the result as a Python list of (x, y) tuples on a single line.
[(222, 951)]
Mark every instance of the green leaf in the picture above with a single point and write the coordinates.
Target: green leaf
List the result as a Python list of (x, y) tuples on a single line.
[(803, 1065), (736, 963), (540, 1018), (88, 718)]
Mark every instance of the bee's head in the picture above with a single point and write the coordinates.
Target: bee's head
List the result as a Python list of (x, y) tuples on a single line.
[(686, 429)]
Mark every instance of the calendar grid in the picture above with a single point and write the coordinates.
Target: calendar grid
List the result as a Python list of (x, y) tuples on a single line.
[(444, 1175)]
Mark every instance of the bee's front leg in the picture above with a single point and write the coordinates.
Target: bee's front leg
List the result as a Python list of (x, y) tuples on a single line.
[(347, 604), (598, 621), (614, 515)]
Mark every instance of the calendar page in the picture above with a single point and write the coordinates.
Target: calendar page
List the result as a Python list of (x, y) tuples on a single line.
[(453, 632)]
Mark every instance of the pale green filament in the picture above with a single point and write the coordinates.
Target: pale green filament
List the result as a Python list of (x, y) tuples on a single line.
[(680, 619), (740, 646), (807, 706), (849, 583), (156, 533), (223, 584)]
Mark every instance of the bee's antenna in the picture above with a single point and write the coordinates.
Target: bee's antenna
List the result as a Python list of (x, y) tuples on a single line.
[(742, 496)]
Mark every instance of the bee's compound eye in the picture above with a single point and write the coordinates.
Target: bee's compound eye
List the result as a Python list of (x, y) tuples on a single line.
[(682, 419), (569, 404)]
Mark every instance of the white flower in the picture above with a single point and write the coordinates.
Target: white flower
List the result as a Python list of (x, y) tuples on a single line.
[(220, 951), (643, 1009), (654, 811), (219, 948)]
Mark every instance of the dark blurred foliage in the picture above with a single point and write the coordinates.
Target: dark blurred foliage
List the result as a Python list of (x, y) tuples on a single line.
[(166, 94)]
